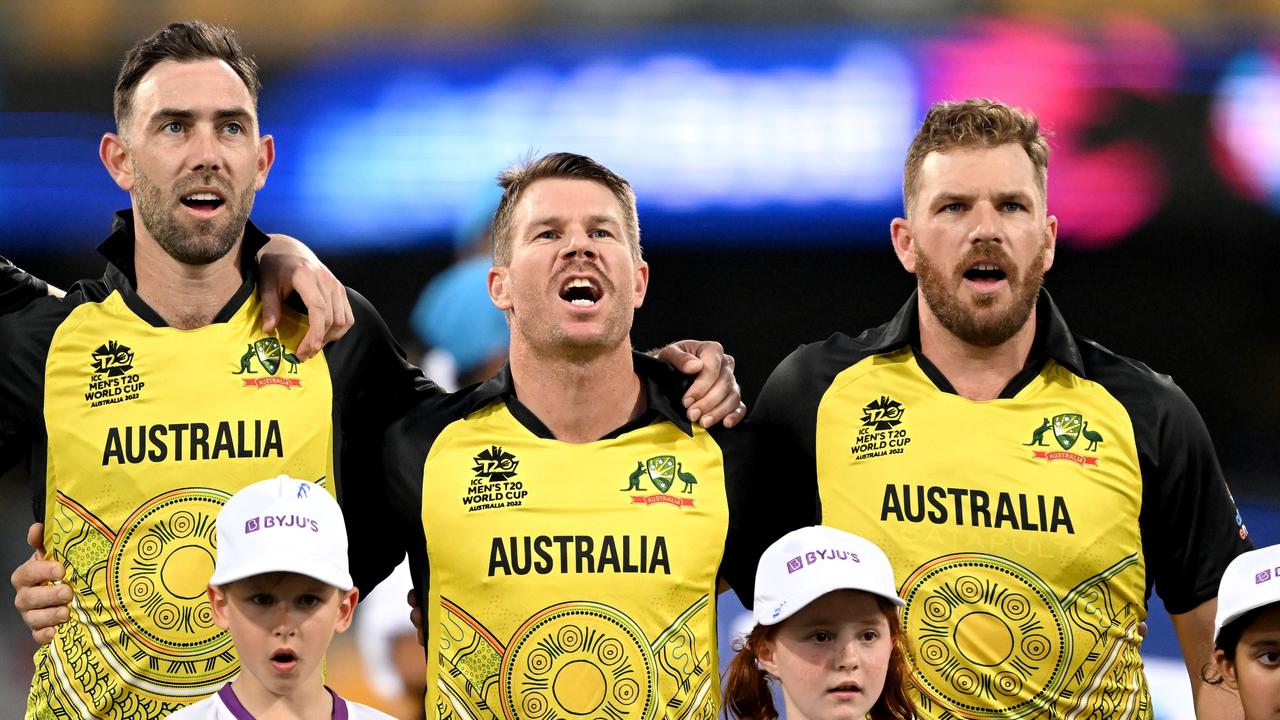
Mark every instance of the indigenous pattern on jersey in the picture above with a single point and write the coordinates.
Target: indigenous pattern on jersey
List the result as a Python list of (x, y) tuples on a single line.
[(138, 433), (571, 580), (1027, 532)]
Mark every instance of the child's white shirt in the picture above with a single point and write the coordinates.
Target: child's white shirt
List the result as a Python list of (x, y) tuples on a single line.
[(224, 705)]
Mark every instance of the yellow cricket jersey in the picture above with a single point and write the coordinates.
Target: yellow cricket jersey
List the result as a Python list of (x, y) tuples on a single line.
[(1027, 532), (138, 433), (571, 580)]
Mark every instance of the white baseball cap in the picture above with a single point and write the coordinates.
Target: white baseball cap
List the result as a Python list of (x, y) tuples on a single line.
[(806, 564), (1251, 581), (282, 525)]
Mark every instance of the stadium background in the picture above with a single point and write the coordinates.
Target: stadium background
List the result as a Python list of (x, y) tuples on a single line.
[(765, 142)]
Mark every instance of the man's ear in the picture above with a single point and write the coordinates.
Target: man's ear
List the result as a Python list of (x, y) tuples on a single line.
[(266, 158), (1050, 240), (642, 282), (114, 153), (903, 243), (499, 287)]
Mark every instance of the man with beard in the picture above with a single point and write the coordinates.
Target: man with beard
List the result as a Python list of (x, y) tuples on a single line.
[(571, 525), (1029, 486), (143, 399)]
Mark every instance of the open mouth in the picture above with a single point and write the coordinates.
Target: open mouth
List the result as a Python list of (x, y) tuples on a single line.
[(985, 272), (203, 201), (583, 292), (284, 659), (847, 687)]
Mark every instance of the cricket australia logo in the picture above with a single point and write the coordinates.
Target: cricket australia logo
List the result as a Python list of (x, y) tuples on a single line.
[(270, 354), (494, 484), (880, 434), (663, 471), (1068, 429), (111, 381)]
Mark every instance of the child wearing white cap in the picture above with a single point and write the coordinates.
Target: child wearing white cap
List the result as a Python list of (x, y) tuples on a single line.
[(281, 586), (826, 612), (1247, 631)]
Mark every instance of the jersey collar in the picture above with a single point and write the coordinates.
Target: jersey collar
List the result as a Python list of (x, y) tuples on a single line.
[(118, 249), (1053, 341), (664, 387)]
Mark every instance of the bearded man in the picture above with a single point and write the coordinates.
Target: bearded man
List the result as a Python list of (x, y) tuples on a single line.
[(1030, 487)]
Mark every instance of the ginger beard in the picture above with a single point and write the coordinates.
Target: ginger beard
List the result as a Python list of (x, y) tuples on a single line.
[(203, 241), (981, 323)]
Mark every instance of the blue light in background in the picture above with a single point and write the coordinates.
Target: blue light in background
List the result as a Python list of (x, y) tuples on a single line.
[(404, 146)]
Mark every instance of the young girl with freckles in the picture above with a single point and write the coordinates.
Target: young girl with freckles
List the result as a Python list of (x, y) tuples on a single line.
[(826, 612), (1247, 632)]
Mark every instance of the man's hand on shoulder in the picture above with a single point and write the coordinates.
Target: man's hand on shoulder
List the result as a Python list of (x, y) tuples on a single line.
[(714, 395), (287, 266), (40, 595)]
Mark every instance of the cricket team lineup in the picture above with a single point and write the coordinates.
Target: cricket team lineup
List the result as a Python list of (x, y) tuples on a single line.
[(892, 510)]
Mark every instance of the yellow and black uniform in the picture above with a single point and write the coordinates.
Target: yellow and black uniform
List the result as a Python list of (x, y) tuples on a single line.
[(1026, 532), (571, 580), (17, 288), (136, 433)]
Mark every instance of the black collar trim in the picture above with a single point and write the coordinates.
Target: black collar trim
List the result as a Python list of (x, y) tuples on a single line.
[(1053, 340), (121, 273), (663, 386)]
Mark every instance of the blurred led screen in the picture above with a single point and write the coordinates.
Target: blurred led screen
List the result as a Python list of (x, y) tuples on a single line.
[(729, 136)]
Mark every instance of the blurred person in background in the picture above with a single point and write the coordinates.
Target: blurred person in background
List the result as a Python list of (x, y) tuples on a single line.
[(389, 650), (465, 335), (1030, 487)]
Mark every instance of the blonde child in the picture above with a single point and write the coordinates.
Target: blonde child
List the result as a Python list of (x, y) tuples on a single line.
[(826, 613), (281, 586)]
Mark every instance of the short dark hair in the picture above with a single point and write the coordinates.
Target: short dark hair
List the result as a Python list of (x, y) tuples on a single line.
[(974, 123), (183, 42), (517, 178)]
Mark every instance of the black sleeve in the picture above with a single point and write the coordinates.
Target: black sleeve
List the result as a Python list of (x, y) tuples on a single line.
[(757, 514), (1191, 529), (784, 427), (373, 386), (18, 287), (24, 350), (1190, 526)]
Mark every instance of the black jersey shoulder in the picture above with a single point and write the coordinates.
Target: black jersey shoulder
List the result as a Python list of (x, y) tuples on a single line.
[(1190, 526)]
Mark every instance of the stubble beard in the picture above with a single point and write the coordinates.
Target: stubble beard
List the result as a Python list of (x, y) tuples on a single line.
[(983, 326), (202, 243), (547, 337)]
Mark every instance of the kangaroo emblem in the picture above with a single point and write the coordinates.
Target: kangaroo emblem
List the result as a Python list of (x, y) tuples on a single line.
[(634, 478), (244, 362), (247, 358), (1037, 437), (687, 478)]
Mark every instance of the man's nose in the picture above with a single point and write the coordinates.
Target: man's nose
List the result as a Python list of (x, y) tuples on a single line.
[(988, 225), (206, 153), (578, 244)]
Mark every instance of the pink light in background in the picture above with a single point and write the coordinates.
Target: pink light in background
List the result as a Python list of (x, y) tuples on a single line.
[(1100, 193)]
